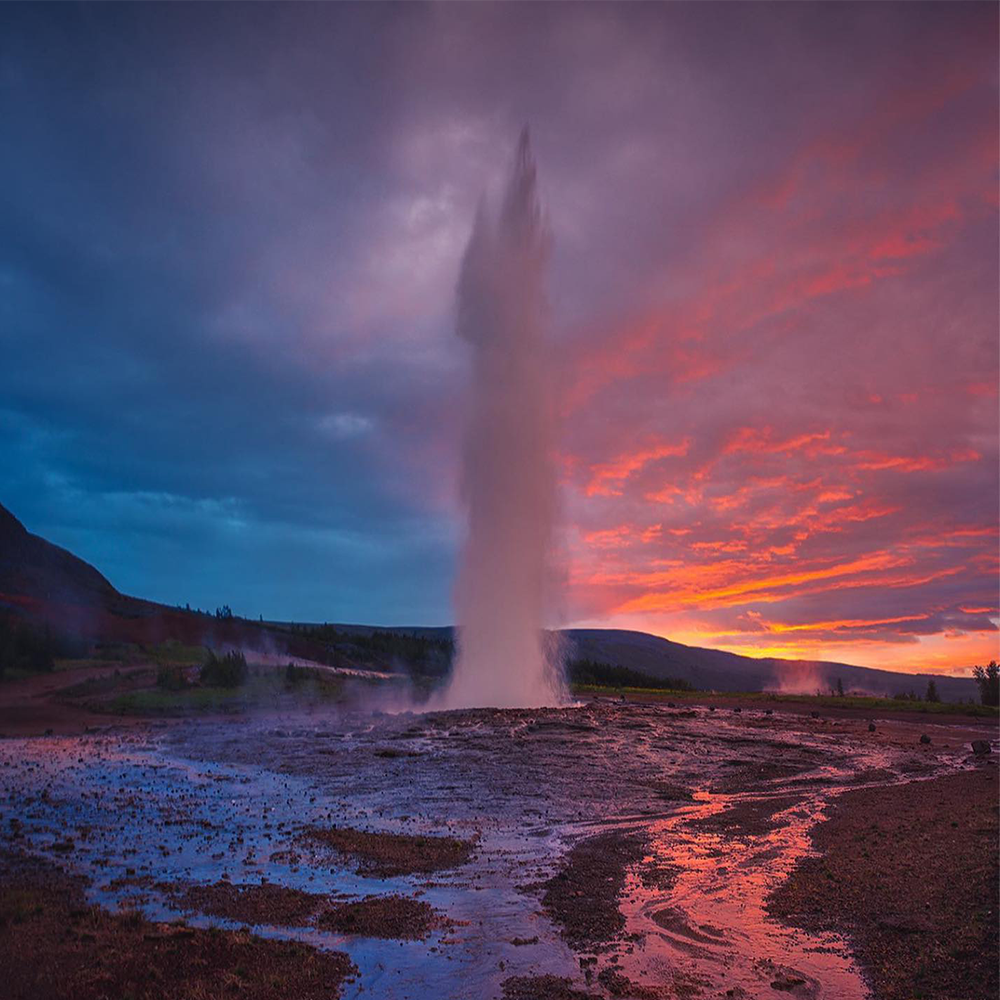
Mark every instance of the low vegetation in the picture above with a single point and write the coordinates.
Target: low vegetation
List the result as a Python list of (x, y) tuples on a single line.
[(256, 904), (26, 648), (226, 671), (54, 945), (611, 675), (174, 704), (264, 688), (399, 917), (389, 854), (766, 698), (172, 677)]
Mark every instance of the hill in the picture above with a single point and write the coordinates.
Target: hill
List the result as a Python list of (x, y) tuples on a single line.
[(42, 582), (714, 669)]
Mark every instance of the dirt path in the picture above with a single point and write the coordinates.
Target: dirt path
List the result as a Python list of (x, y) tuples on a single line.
[(30, 706)]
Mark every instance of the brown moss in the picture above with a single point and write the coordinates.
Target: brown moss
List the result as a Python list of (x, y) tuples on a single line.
[(543, 988), (55, 946), (253, 904), (582, 897), (382, 917), (389, 854)]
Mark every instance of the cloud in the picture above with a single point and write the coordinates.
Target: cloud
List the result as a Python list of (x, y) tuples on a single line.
[(230, 242)]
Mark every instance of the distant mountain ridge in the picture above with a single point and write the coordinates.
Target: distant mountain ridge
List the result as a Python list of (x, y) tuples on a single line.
[(718, 670), (44, 582)]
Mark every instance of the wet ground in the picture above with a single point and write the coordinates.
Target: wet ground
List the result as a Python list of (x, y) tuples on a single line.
[(618, 849)]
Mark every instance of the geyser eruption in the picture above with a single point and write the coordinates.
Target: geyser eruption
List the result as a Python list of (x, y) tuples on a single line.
[(503, 657)]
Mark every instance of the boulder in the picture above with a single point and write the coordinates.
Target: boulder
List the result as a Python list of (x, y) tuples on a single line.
[(924, 738), (871, 727), (980, 747)]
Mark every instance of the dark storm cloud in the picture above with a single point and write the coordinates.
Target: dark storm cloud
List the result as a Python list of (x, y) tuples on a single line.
[(163, 381)]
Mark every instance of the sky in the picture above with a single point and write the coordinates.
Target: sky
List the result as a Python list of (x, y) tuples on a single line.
[(229, 242)]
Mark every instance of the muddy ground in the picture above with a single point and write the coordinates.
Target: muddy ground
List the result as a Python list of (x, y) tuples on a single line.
[(603, 850), (911, 872)]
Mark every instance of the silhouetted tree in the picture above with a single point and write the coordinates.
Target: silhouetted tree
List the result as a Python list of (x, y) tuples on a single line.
[(988, 679), (840, 688), (932, 691), (35, 648), (613, 675)]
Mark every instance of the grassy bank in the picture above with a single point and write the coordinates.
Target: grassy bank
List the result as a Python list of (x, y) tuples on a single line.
[(770, 700), (262, 689)]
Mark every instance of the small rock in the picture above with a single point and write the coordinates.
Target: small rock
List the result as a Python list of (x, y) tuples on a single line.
[(815, 715), (924, 738), (871, 727), (670, 704), (737, 710), (980, 747), (769, 711), (49, 732), (711, 708)]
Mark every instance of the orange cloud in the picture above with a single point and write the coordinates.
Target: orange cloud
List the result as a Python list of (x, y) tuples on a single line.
[(608, 477), (687, 591)]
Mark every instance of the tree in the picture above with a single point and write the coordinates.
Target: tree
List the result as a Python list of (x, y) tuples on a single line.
[(932, 691), (227, 671), (988, 679), (840, 688)]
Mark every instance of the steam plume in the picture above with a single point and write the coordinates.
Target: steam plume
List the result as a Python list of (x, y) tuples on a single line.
[(508, 480)]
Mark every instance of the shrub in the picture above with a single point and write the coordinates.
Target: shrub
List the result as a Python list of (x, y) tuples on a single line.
[(228, 671), (988, 679), (171, 677), (295, 675)]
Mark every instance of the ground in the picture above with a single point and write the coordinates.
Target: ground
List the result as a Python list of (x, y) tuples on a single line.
[(607, 850), (910, 874)]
